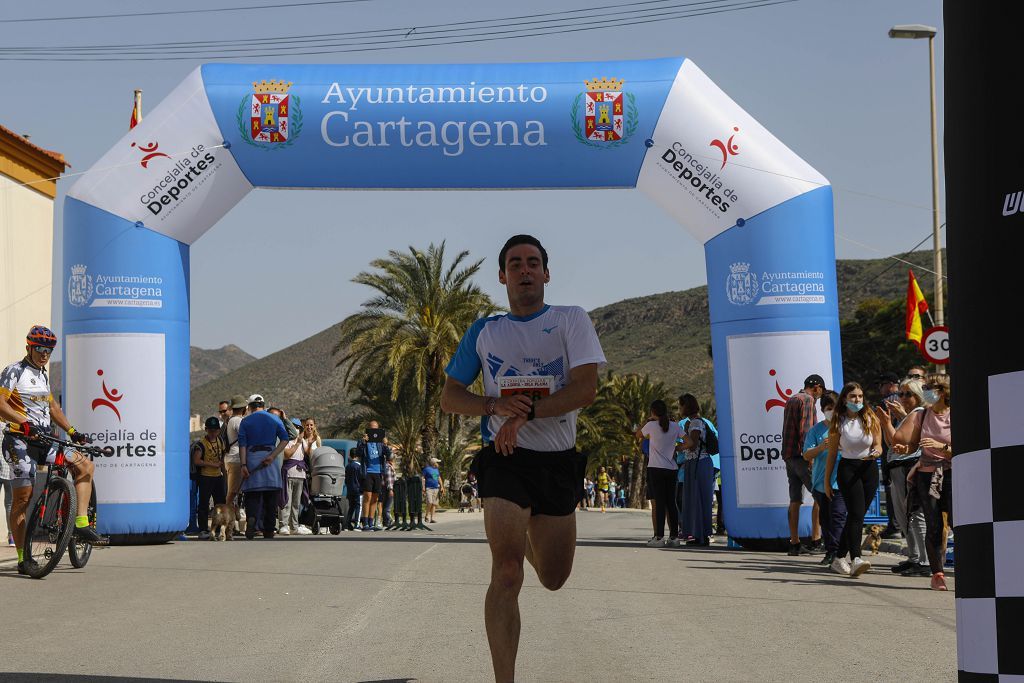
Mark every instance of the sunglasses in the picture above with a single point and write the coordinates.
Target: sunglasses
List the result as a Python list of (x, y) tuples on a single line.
[(45, 350), (926, 387), (915, 376), (906, 394)]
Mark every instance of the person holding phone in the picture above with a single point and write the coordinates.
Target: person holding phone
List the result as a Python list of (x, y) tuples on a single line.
[(373, 453), (855, 436)]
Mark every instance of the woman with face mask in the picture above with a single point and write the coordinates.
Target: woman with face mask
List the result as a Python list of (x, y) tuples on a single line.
[(893, 415), (929, 431), (855, 435), (831, 510)]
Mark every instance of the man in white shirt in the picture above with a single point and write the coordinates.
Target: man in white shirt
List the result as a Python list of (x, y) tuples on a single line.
[(540, 366)]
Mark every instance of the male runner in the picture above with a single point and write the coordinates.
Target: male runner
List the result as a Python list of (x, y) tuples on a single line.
[(540, 366), (25, 395)]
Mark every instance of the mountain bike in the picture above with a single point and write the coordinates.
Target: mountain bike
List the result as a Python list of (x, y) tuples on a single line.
[(51, 519)]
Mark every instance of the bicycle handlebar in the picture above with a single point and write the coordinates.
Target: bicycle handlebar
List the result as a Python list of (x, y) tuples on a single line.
[(82, 448)]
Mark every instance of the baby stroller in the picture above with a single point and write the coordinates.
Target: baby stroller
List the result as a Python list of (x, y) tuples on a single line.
[(466, 500), (326, 491)]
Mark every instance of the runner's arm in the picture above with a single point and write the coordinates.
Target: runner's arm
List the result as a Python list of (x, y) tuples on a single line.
[(578, 393), (458, 399), (9, 414)]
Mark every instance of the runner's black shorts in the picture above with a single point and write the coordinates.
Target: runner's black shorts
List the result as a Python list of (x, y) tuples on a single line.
[(373, 483), (547, 482)]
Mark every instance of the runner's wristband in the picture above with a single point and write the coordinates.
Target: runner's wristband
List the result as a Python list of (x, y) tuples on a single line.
[(71, 431)]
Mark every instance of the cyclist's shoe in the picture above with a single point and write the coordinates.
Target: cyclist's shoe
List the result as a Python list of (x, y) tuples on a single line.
[(26, 565), (89, 535)]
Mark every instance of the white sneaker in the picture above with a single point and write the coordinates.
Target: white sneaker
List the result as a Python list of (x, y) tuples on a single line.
[(283, 531), (859, 566), (672, 543), (655, 542), (303, 531), (840, 566), (203, 535)]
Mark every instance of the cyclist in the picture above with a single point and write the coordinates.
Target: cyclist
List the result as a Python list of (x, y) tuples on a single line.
[(25, 397)]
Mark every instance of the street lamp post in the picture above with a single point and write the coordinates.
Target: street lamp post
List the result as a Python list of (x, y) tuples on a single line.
[(915, 31)]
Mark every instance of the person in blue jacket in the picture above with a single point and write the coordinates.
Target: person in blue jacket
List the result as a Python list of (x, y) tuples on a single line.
[(261, 478), (353, 489)]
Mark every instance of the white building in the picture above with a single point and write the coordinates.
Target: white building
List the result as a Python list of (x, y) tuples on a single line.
[(28, 187)]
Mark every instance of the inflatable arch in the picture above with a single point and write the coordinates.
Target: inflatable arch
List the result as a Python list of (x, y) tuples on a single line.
[(763, 214)]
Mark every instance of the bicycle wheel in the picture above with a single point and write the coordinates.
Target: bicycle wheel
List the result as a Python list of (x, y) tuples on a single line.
[(49, 526), (79, 551)]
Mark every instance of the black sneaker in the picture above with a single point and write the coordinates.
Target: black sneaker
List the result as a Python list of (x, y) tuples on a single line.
[(816, 547), (25, 565), (902, 566), (794, 549), (89, 535), (827, 560), (917, 570), (892, 532)]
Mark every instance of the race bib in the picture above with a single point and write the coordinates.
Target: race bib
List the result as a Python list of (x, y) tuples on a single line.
[(534, 386)]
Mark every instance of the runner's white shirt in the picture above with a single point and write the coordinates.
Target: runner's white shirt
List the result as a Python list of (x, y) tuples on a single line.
[(542, 347)]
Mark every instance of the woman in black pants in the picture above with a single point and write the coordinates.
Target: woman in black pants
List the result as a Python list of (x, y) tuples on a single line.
[(932, 476), (661, 472), (857, 434)]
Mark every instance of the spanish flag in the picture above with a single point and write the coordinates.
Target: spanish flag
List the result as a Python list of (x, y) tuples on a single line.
[(916, 305), (136, 110)]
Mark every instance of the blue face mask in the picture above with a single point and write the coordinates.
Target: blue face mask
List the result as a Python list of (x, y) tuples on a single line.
[(931, 396), (854, 407)]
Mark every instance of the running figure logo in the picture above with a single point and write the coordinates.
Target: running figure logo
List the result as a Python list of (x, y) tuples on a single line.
[(150, 152), (109, 399), (727, 148), (784, 396)]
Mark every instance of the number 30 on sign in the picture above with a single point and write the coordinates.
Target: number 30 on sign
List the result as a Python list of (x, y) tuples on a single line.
[(935, 345)]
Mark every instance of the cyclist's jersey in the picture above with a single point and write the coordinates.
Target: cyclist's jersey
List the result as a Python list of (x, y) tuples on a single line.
[(530, 355), (26, 389)]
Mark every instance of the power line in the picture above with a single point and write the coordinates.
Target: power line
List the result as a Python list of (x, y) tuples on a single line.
[(402, 30), (128, 15), (375, 46)]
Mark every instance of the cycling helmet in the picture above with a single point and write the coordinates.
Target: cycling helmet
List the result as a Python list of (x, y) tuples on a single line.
[(41, 336)]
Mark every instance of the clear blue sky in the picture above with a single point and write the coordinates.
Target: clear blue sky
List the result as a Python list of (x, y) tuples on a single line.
[(822, 75)]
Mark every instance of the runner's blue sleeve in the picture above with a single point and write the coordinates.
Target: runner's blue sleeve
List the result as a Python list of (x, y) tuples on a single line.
[(465, 364)]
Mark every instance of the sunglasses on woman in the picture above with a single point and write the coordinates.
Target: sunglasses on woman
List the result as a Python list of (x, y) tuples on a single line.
[(906, 394)]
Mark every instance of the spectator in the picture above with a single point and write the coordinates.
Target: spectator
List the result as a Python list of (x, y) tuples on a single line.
[(797, 419), (297, 458), (700, 473), (223, 412), (232, 461), (388, 492), (588, 486), (912, 524), (831, 511), (208, 459), (6, 475), (661, 472), (603, 487), (372, 453), (432, 488), (917, 372), (888, 390), (855, 437), (261, 480), (289, 426), (932, 476), (353, 489)]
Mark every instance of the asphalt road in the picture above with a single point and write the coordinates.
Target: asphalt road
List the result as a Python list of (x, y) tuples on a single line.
[(393, 606)]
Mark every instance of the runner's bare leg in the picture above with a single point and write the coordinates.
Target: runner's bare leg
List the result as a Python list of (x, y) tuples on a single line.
[(505, 524), (550, 547)]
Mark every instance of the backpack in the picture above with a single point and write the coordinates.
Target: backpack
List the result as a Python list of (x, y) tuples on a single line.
[(710, 441)]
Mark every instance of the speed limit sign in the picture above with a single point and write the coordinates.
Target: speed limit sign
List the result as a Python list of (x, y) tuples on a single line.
[(935, 344)]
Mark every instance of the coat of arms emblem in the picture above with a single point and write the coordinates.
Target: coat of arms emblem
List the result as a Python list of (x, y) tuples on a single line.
[(79, 286), (604, 115), (741, 287), (270, 116)]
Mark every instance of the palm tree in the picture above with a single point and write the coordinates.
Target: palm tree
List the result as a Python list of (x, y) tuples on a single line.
[(413, 326)]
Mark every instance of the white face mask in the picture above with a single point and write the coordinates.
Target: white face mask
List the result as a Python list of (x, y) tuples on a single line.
[(828, 414)]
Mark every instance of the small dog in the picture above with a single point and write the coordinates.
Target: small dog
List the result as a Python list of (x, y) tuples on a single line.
[(223, 524), (873, 539)]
